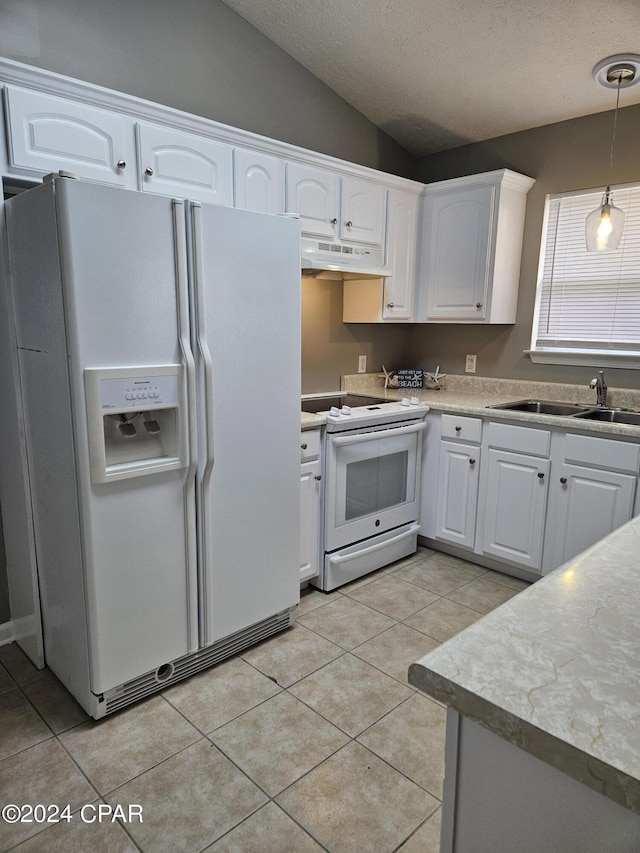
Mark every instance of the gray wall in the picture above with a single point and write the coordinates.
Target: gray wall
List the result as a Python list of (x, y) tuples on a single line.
[(566, 156), (198, 56), (331, 348), (201, 57)]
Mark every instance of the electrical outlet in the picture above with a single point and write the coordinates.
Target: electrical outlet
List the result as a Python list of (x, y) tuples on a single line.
[(470, 364), (362, 364)]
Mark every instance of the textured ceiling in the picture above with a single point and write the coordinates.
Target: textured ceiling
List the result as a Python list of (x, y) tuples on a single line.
[(435, 74)]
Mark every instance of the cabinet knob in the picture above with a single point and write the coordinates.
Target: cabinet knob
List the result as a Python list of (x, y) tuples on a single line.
[(389, 304), (334, 221), (478, 304), (541, 475), (303, 446), (458, 428), (148, 171), (563, 480), (121, 164), (349, 224), (318, 477), (472, 462)]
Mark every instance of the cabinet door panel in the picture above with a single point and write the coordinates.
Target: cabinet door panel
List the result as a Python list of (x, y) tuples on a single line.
[(47, 134), (400, 256), (176, 163), (516, 500), (309, 519), (363, 212), (459, 227), (313, 194), (457, 493), (258, 181), (593, 503)]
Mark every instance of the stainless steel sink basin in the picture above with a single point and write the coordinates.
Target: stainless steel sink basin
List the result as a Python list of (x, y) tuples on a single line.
[(611, 416), (543, 407)]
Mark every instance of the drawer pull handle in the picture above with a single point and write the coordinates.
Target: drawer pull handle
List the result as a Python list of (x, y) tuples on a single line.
[(303, 446), (318, 477), (389, 304), (541, 475), (148, 171), (458, 428), (563, 480), (478, 304), (349, 224), (472, 462), (121, 164), (334, 221)]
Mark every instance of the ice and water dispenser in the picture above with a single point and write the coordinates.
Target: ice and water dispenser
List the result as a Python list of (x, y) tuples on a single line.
[(136, 419)]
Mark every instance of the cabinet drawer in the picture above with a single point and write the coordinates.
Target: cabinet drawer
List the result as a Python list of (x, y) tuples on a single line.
[(309, 444), (469, 429), (601, 452), (521, 439)]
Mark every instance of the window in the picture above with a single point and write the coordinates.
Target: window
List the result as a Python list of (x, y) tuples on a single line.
[(588, 303)]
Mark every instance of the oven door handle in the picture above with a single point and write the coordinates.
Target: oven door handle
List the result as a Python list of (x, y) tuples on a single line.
[(370, 436)]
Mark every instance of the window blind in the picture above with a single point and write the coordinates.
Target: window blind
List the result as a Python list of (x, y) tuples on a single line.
[(588, 301)]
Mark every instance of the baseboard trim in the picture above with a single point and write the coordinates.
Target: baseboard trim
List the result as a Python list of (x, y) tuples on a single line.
[(7, 633)]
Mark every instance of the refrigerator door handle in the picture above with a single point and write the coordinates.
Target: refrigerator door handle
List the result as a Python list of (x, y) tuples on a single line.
[(207, 454), (201, 335), (184, 337)]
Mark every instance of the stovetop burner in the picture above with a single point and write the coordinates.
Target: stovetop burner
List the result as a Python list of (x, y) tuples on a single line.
[(325, 403)]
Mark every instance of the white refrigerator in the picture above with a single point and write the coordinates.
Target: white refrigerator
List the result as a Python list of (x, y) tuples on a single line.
[(157, 369)]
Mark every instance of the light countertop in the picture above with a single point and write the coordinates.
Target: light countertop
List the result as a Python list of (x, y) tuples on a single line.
[(555, 669), (471, 395)]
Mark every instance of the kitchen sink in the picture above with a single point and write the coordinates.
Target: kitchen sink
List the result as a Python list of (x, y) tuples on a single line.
[(612, 416), (543, 407)]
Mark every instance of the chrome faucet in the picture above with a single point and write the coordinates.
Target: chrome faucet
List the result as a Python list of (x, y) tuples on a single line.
[(600, 387)]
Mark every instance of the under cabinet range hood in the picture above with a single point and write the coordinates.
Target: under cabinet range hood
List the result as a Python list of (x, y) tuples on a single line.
[(330, 259)]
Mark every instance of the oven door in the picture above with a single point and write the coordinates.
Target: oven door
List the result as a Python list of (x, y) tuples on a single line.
[(371, 483)]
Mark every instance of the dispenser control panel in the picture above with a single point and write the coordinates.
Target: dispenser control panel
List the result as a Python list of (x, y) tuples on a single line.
[(135, 391), (136, 420)]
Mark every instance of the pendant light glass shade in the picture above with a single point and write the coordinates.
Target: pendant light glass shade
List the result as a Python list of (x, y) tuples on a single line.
[(604, 226)]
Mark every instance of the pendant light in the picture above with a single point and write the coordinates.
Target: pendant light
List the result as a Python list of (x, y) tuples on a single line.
[(604, 225)]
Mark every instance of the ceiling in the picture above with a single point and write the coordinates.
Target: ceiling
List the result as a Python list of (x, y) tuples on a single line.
[(436, 74)]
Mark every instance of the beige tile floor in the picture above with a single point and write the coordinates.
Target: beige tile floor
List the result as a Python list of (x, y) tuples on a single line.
[(312, 740)]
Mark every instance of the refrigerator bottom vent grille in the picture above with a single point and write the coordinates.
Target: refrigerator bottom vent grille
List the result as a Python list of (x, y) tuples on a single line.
[(145, 685)]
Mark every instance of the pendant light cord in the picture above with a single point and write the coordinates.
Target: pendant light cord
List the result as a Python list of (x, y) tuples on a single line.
[(613, 138)]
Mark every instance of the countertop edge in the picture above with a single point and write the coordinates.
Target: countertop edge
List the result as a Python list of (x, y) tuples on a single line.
[(609, 781)]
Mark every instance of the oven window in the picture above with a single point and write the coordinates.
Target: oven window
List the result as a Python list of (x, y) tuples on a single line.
[(375, 484)]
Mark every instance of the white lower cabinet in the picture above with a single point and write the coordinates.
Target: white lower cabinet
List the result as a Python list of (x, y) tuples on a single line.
[(458, 477), (457, 493), (310, 485), (540, 497), (593, 493), (515, 506)]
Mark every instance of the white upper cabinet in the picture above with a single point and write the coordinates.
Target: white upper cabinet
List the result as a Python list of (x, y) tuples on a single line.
[(46, 133), (363, 211), (389, 299), (471, 248), (313, 194), (177, 163), (402, 226), (258, 181), (351, 210)]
